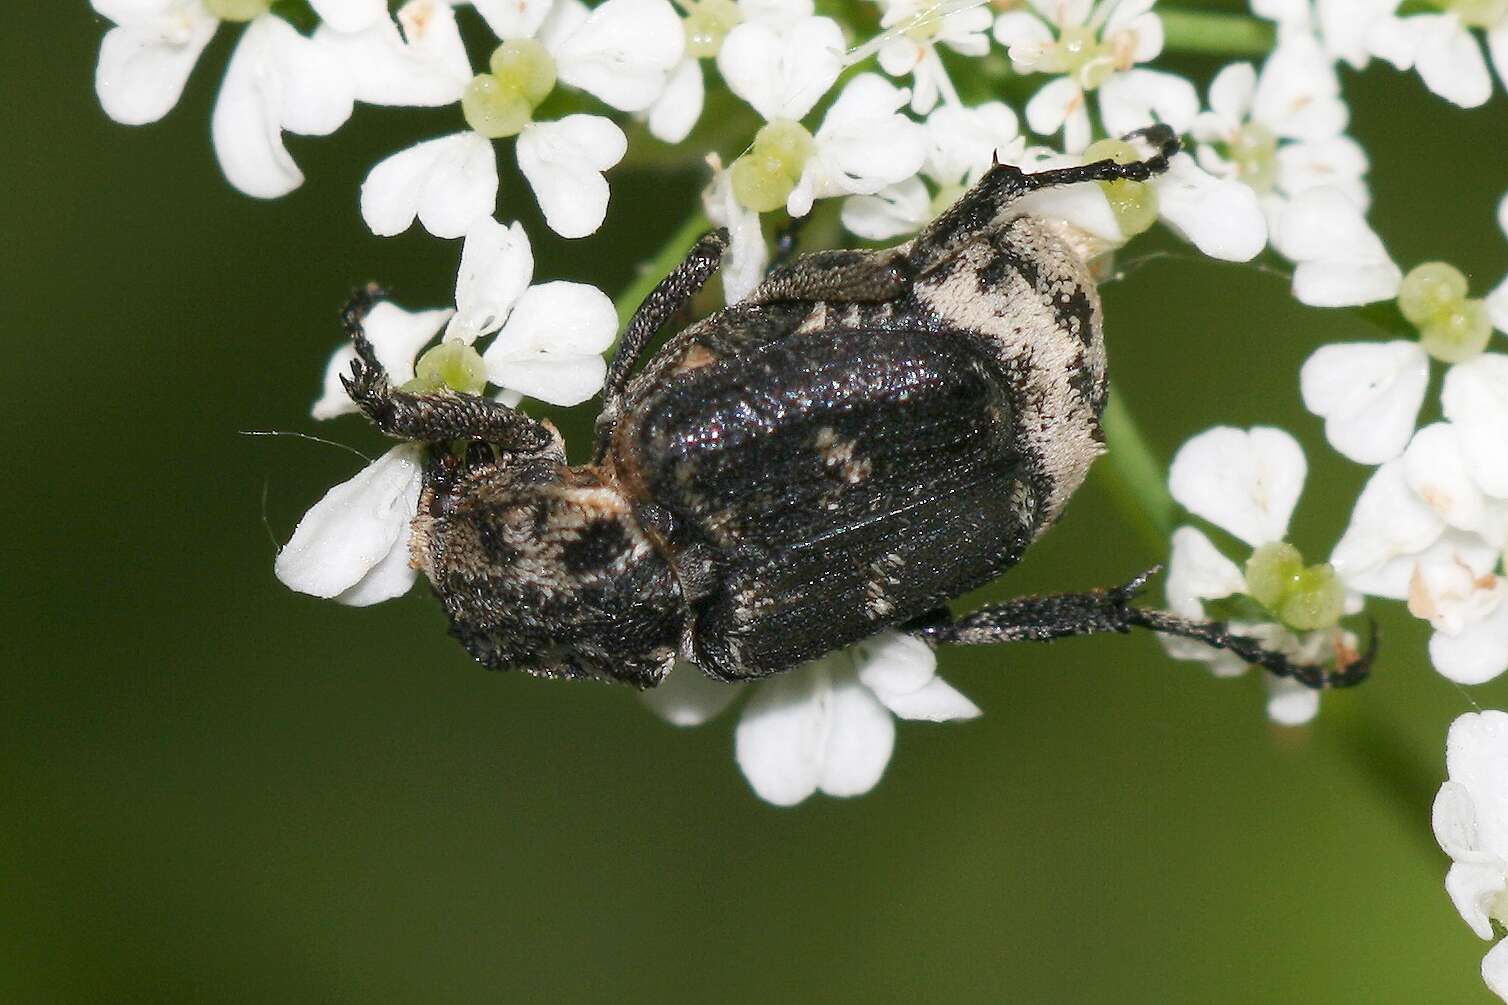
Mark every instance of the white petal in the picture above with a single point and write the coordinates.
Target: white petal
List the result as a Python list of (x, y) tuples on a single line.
[(1341, 262), (1394, 39), (1503, 202), (511, 19), (860, 738), (863, 145), (779, 740), (496, 266), (1454, 819), (355, 527), (623, 52), (391, 577), (689, 697), (448, 183), (675, 113), (424, 66), (1477, 654), (314, 90), (782, 73), (563, 162), (349, 15), (1476, 756), (397, 336), (937, 701), (1436, 468), (962, 142), (1388, 522), (142, 70), (899, 209), (561, 378), (744, 264), (1497, 302), (894, 664), (1243, 481), (1298, 96), (1338, 162), (1475, 398), (1290, 703), (1198, 572), (1473, 888), (557, 317), (1219, 216), (246, 124), (1050, 108), (1231, 92), (1369, 395), (1450, 62), (1495, 969), (1025, 36), (1139, 98)]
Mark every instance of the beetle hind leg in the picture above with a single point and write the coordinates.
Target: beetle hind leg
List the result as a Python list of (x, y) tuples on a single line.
[(431, 416), (1042, 619)]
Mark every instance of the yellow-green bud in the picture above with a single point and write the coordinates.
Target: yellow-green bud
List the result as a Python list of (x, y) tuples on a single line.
[(1271, 572), (455, 365), (1479, 13), (237, 10), (1431, 292), (1134, 203), (1459, 335), (524, 67), (765, 176), (707, 24), (493, 110)]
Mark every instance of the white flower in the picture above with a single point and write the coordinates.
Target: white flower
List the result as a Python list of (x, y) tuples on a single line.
[(1389, 527), (1246, 482), (782, 71), (423, 65), (1368, 393), (1475, 399), (1086, 42), (1497, 300), (914, 30), (397, 336), (861, 146), (145, 60), (1441, 47), (621, 52), (1219, 216), (1471, 824), (961, 144), (1281, 132), (353, 545), (1339, 261), (549, 338), (828, 725)]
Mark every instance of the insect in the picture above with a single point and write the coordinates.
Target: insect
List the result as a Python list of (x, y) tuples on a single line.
[(866, 436)]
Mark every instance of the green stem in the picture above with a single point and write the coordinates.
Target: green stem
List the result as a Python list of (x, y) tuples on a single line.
[(1133, 475), (651, 272), (1215, 34)]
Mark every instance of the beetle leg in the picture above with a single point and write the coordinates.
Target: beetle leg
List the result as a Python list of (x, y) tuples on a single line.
[(982, 207), (431, 416), (669, 296), (1059, 616)]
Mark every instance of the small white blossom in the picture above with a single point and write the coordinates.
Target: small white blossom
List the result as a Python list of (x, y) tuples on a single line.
[(353, 545), (1444, 51), (1219, 216), (1475, 399), (1471, 824), (1339, 261), (782, 70), (447, 184), (1245, 482), (145, 60), (828, 725), (424, 64), (862, 145), (1086, 42), (1368, 393), (914, 30), (744, 264)]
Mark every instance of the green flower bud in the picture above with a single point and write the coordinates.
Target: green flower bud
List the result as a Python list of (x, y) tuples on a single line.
[(1431, 292), (524, 67), (1271, 572), (493, 110), (237, 10), (760, 182), (1459, 335), (1134, 203), (707, 24), (455, 365)]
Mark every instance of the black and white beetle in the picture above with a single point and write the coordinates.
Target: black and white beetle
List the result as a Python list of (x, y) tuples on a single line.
[(866, 436)]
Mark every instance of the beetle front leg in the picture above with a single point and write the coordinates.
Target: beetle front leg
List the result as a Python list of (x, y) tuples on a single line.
[(435, 416), (984, 206), (1042, 619), (670, 295)]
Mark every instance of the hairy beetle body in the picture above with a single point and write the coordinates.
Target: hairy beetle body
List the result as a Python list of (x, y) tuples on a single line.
[(868, 435)]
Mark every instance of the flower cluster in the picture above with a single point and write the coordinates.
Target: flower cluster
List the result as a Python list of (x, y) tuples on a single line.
[(882, 118)]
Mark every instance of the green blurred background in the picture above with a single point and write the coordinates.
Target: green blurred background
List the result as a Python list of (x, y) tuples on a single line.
[(215, 789)]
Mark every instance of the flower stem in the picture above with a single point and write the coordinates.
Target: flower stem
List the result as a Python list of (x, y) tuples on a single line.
[(1214, 33), (651, 272), (1133, 475)]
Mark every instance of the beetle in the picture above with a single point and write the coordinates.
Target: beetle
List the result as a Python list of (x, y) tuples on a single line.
[(864, 437)]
